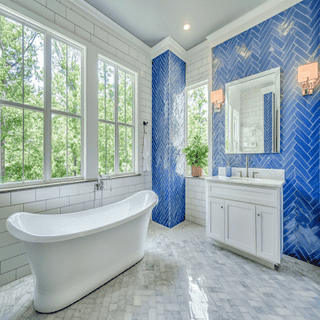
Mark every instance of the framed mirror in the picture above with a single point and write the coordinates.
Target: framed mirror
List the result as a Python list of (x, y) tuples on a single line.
[(252, 117)]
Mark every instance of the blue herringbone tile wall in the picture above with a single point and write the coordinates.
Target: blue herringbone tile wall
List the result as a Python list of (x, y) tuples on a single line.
[(288, 40), (168, 138)]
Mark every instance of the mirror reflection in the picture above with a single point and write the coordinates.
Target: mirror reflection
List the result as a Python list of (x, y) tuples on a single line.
[(252, 121)]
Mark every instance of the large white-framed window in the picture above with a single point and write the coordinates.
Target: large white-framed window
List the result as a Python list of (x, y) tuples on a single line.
[(116, 118), (41, 104), (197, 115)]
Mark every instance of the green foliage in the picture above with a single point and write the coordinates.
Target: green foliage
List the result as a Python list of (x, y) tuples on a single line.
[(197, 153), (197, 124), (106, 146), (21, 151)]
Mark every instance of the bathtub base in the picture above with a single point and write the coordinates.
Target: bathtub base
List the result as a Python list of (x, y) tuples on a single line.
[(52, 303), (66, 271)]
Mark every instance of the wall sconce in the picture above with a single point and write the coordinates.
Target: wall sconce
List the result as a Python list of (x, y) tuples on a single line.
[(217, 98), (308, 77)]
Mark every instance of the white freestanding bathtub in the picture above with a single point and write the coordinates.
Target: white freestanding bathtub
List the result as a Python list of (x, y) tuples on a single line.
[(73, 254)]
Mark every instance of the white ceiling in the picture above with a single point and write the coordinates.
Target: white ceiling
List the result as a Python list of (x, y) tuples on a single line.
[(153, 20)]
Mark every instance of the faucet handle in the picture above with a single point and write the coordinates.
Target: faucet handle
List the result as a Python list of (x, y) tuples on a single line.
[(240, 173), (254, 174)]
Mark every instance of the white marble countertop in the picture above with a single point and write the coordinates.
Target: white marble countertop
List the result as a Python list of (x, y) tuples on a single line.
[(248, 181)]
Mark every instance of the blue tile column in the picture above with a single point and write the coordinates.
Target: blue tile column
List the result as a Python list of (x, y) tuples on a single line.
[(168, 138)]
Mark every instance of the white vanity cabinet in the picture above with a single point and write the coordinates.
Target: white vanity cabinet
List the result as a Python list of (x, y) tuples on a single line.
[(240, 225), (215, 219), (246, 219)]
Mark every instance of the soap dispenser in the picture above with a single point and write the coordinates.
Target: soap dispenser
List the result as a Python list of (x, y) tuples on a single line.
[(228, 170)]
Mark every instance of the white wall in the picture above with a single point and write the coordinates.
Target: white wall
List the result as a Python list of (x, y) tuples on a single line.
[(196, 200), (98, 39), (198, 66)]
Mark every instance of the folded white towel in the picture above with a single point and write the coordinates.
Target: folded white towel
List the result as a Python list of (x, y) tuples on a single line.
[(147, 152)]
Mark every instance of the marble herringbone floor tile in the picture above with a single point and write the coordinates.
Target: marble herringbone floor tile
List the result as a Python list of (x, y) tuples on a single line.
[(182, 276)]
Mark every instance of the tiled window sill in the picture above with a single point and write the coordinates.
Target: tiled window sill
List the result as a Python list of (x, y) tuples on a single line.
[(60, 183), (202, 177)]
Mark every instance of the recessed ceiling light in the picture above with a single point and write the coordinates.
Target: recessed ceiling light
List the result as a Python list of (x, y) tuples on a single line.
[(186, 27)]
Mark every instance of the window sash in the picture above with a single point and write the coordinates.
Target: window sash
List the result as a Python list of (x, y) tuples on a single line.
[(48, 112), (116, 123), (67, 114)]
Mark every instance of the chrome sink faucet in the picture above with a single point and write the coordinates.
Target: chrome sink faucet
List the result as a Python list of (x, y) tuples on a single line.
[(247, 166)]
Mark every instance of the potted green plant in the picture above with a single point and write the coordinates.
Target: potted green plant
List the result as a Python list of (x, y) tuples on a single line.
[(197, 155)]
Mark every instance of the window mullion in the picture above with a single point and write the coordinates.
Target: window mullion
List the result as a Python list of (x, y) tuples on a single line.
[(22, 102), (105, 113), (186, 130), (67, 109), (47, 107), (125, 116), (134, 158), (116, 156), (1, 144)]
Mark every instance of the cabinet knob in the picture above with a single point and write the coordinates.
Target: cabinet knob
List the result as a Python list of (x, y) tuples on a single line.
[(258, 214), (221, 206)]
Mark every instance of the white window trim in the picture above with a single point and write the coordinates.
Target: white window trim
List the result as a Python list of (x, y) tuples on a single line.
[(135, 121), (48, 36), (191, 87)]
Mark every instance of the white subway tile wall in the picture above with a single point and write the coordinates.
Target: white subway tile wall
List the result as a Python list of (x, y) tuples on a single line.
[(196, 200), (80, 196), (198, 68)]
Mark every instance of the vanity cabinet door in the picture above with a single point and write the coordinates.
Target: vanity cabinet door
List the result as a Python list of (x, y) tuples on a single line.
[(215, 219), (267, 236), (240, 225)]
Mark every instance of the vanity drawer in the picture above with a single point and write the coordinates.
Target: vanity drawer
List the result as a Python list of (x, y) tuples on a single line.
[(255, 195)]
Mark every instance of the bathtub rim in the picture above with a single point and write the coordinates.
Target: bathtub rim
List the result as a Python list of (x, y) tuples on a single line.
[(33, 238)]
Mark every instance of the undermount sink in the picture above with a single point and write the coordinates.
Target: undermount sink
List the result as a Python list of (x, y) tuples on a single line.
[(248, 181)]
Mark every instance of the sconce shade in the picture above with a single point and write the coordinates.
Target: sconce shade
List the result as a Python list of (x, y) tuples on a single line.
[(308, 77), (217, 98)]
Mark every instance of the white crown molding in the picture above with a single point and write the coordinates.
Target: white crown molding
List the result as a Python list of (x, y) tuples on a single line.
[(249, 20), (101, 20), (168, 43)]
